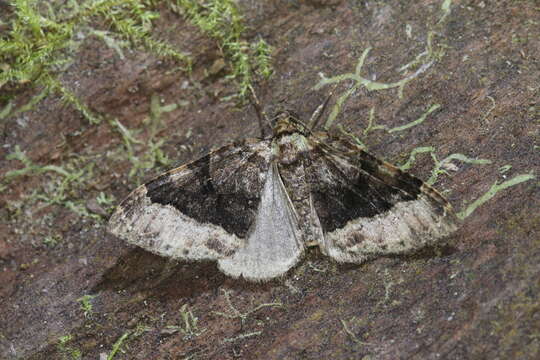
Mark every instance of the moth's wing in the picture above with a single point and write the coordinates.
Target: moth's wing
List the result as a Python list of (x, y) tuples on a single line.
[(274, 245), (368, 207), (202, 210)]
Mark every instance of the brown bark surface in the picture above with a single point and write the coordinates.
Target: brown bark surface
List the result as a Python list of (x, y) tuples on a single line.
[(476, 298)]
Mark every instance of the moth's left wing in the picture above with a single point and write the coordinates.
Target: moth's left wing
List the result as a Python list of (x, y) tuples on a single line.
[(368, 207), (202, 210)]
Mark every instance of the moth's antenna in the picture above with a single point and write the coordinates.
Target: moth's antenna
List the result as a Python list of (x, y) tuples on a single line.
[(319, 111), (261, 116)]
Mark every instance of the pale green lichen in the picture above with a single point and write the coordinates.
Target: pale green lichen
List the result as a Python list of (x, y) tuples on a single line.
[(492, 107), (190, 328), (505, 168), (418, 121), (445, 9), (355, 138), (360, 81), (64, 183), (495, 188), (242, 336), (118, 345), (351, 334), (32, 169), (422, 62), (412, 156), (371, 126), (236, 314), (371, 123), (439, 165)]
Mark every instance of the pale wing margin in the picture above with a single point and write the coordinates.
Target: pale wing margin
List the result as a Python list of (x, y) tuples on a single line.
[(165, 231), (161, 228), (409, 224), (274, 244)]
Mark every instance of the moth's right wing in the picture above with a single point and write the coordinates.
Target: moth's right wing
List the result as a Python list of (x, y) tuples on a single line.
[(368, 207)]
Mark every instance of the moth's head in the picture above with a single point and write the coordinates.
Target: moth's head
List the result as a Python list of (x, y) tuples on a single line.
[(287, 122)]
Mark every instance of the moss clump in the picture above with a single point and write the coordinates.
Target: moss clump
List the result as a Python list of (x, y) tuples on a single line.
[(153, 155), (221, 20), (64, 186), (68, 352), (42, 37), (86, 305)]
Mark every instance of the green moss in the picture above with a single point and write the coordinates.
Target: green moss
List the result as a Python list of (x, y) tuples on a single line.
[(263, 58), (63, 185), (43, 37), (68, 352), (153, 154), (222, 21), (86, 304), (51, 240), (106, 201)]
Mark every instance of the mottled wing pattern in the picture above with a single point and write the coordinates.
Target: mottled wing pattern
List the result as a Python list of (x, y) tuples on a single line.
[(368, 207), (253, 206), (202, 210)]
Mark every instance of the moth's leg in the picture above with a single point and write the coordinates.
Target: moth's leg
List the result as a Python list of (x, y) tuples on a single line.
[(261, 116), (319, 111)]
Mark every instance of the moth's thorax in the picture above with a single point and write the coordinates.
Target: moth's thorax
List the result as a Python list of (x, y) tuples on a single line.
[(290, 148), (289, 140), (286, 124)]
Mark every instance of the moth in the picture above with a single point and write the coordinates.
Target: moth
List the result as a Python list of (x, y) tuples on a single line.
[(255, 205)]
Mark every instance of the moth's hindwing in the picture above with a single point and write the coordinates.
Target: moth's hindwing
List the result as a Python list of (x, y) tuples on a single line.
[(202, 210), (368, 207), (275, 243)]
